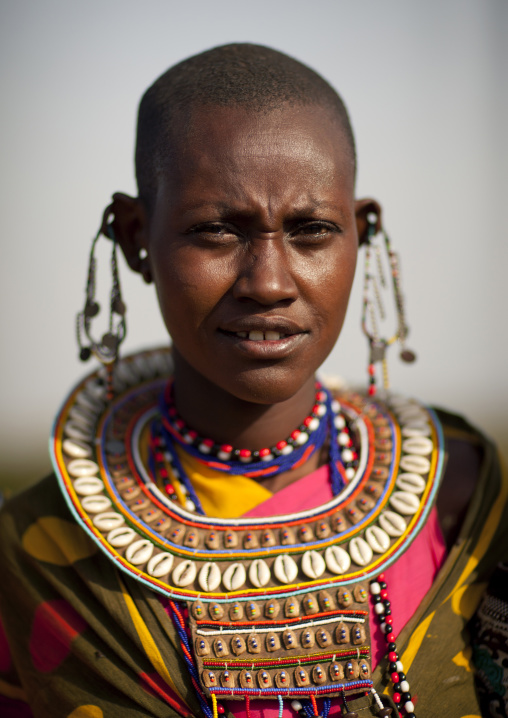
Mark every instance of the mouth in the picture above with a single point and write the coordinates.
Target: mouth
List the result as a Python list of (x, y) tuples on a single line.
[(264, 339), (255, 335)]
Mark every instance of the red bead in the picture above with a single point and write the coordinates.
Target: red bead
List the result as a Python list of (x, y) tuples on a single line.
[(372, 369), (281, 445), (384, 593), (392, 657), (226, 448), (192, 434), (245, 453), (179, 424), (394, 677), (396, 697), (315, 408), (390, 637), (381, 577), (307, 421), (372, 390), (208, 442), (389, 619), (220, 709), (321, 396), (163, 473), (169, 489), (295, 434), (264, 452)]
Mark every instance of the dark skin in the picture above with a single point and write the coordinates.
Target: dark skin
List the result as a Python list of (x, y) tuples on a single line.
[(254, 229)]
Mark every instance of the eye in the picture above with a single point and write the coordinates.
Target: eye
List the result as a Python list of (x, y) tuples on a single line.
[(314, 231), (214, 233)]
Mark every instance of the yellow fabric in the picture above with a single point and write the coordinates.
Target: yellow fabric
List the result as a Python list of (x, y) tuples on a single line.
[(223, 495)]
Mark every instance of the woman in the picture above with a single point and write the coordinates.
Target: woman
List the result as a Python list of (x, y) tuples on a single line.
[(213, 542)]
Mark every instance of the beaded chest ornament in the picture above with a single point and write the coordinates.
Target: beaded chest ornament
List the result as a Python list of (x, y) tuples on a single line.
[(278, 607)]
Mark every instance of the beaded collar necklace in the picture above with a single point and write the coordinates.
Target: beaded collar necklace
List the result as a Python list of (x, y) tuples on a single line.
[(325, 421), (277, 606)]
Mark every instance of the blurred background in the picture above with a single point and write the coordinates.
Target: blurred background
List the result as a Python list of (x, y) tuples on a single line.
[(426, 87)]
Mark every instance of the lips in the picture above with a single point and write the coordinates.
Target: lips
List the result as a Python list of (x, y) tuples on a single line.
[(257, 336), (262, 329)]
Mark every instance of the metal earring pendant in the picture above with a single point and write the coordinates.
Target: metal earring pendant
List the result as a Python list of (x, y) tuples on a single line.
[(106, 349), (373, 308)]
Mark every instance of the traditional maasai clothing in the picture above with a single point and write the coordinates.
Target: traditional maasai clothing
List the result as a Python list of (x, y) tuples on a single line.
[(83, 640)]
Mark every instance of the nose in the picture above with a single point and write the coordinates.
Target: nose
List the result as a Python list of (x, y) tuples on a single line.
[(265, 274)]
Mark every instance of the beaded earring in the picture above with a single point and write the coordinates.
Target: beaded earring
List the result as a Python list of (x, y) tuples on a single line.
[(106, 350), (373, 308)]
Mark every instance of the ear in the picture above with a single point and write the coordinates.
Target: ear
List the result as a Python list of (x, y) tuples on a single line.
[(130, 228), (364, 208)]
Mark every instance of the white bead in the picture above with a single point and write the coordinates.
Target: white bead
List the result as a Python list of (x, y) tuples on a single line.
[(268, 457), (400, 667), (335, 406), (383, 627), (302, 438), (224, 455), (296, 706), (350, 473), (204, 448), (343, 438), (190, 505), (313, 424), (245, 459), (375, 588), (347, 455), (404, 686), (379, 608), (409, 707), (188, 439), (339, 422), (321, 410), (287, 450)]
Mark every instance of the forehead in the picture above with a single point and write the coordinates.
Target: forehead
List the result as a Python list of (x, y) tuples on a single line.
[(238, 144)]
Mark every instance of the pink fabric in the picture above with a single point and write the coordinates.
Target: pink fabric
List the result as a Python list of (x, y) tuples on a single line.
[(408, 580)]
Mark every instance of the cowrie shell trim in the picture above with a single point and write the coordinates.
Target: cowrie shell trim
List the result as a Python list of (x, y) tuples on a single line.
[(337, 559), (313, 564), (77, 449), (160, 564), (378, 540), (413, 483), (420, 445), (209, 576), (392, 523), (82, 467), (121, 536), (96, 504), (139, 552), (285, 568), (404, 502), (108, 521), (185, 573), (234, 577), (415, 464), (360, 551), (259, 573), (88, 485)]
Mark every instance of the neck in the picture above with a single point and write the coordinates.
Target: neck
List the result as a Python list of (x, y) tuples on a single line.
[(215, 413)]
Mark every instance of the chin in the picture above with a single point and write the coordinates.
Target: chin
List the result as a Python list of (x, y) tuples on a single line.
[(268, 385)]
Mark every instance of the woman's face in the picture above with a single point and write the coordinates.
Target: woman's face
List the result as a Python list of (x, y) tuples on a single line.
[(252, 245)]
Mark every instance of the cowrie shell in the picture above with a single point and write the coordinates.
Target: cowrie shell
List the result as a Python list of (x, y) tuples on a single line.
[(415, 464), (125, 373), (76, 449), (415, 428), (337, 559), (234, 577), (95, 389), (143, 366), (185, 573), (108, 521), (139, 552), (73, 431), (313, 564), (160, 564), (88, 485), (209, 576), (259, 573), (96, 504), (411, 482), (378, 540), (411, 413), (404, 502), (285, 568), (82, 467), (161, 362), (398, 402), (360, 551), (392, 523), (420, 445), (79, 416), (88, 402), (121, 536)]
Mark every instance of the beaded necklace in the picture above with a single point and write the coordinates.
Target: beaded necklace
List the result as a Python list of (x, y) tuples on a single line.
[(324, 422)]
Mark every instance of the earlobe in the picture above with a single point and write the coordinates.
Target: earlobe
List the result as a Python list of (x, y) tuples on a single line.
[(364, 208), (130, 230)]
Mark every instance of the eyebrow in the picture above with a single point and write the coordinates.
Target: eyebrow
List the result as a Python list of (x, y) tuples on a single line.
[(230, 209)]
